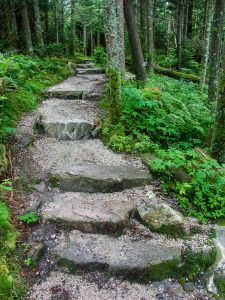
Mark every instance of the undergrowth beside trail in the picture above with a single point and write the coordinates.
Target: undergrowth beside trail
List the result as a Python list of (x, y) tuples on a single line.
[(25, 79), (170, 119)]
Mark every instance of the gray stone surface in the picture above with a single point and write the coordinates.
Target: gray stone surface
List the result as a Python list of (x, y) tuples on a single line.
[(88, 71), (47, 154), (89, 212), (118, 254), (99, 178), (157, 214), (73, 120), (74, 87), (36, 252)]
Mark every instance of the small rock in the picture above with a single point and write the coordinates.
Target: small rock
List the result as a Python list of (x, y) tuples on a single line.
[(35, 253), (160, 216), (189, 287), (53, 236)]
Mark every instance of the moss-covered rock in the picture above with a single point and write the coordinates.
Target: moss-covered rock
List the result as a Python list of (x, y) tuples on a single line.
[(3, 159), (160, 217)]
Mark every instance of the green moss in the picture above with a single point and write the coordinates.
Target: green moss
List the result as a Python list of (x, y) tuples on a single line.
[(221, 222), (3, 159), (190, 266), (220, 285), (38, 127), (164, 270), (68, 265), (171, 231), (54, 181)]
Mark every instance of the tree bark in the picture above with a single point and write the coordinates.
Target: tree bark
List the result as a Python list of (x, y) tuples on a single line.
[(143, 23), (114, 34), (13, 31), (218, 138), (139, 64), (37, 23), (73, 26), (150, 34), (207, 29), (26, 28), (179, 32), (215, 50), (85, 40), (62, 20), (46, 22), (190, 20)]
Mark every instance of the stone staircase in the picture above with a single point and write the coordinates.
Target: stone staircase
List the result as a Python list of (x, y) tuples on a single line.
[(88, 198)]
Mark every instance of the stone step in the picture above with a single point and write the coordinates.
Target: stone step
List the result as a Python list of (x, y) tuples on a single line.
[(88, 71), (78, 87), (92, 213), (85, 66), (94, 178), (72, 121), (123, 254), (49, 154)]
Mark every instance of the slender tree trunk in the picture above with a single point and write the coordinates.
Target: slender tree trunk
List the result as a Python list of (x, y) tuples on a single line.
[(208, 23), (26, 28), (85, 40), (215, 50), (143, 24), (13, 31), (114, 33), (98, 38), (190, 20), (179, 32), (46, 22), (186, 13), (56, 22), (62, 20), (134, 39), (37, 23), (150, 34), (73, 26), (218, 139)]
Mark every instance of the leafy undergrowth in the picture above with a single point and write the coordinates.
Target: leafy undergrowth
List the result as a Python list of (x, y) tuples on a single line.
[(25, 78), (12, 285), (170, 118)]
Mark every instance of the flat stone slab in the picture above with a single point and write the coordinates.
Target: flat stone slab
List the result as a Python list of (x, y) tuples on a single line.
[(85, 66), (90, 212), (118, 254), (47, 154), (76, 87), (99, 178), (73, 120), (88, 71)]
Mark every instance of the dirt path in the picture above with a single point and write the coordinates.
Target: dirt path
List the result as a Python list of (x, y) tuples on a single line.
[(90, 244)]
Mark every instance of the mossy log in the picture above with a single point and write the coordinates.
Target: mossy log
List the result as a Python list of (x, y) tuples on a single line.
[(176, 74)]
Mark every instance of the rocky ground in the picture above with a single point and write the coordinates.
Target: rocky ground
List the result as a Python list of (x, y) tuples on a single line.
[(101, 219)]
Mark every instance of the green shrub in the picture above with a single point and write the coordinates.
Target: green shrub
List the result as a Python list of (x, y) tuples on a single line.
[(203, 195), (100, 57)]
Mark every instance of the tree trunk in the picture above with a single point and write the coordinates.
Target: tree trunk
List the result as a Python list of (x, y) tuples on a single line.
[(114, 34), (207, 29), (215, 50), (56, 22), (179, 32), (62, 21), (218, 138), (26, 28), (13, 31), (139, 64), (85, 40), (37, 23), (73, 26), (150, 34), (46, 22), (143, 24), (186, 14), (190, 20)]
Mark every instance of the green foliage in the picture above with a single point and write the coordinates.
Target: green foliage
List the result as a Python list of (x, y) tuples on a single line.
[(203, 195), (100, 57), (28, 262), (165, 112), (29, 218), (220, 285), (25, 79), (11, 283)]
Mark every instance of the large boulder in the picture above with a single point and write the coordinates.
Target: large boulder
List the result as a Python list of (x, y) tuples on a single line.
[(161, 217)]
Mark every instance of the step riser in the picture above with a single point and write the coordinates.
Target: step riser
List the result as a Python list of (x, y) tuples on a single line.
[(78, 183), (72, 131), (85, 66), (66, 95), (88, 71)]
